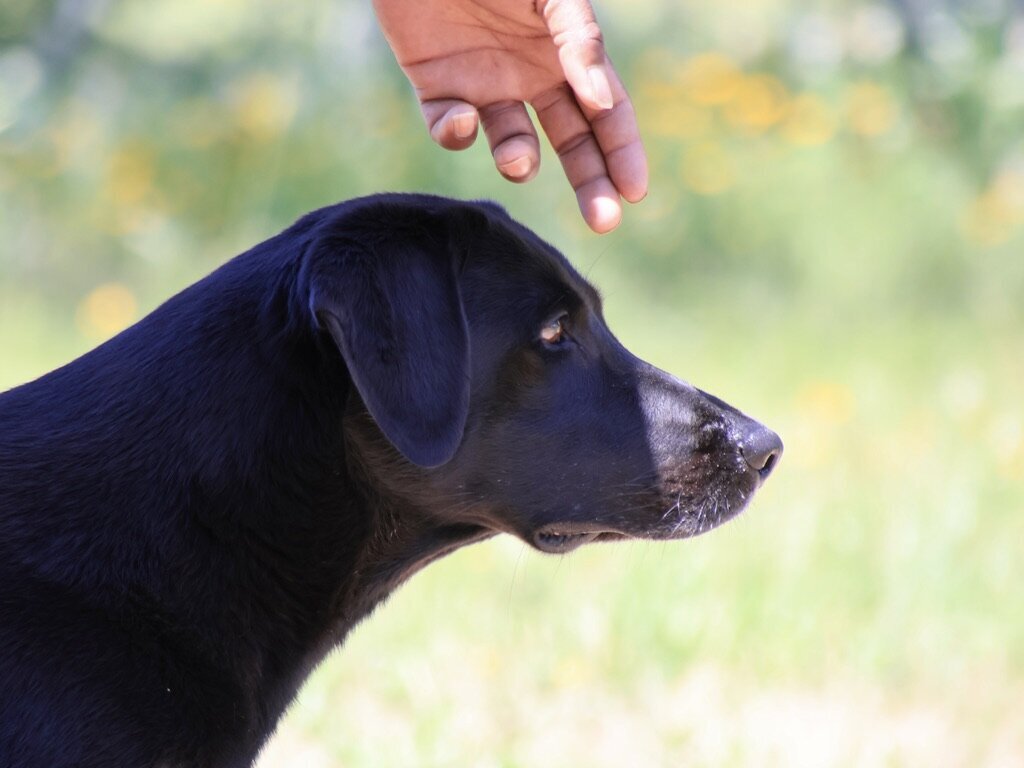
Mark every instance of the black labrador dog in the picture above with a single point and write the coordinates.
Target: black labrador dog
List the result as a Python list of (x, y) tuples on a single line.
[(194, 513)]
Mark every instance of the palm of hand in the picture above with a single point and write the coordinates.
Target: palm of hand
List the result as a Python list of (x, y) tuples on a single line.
[(480, 52)]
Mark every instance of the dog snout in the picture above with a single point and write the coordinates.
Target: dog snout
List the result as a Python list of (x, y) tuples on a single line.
[(761, 449), (759, 446)]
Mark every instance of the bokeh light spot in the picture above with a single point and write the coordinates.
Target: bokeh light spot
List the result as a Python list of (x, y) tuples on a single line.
[(265, 105), (830, 402), (759, 103), (107, 309), (810, 121), (710, 78), (707, 168), (870, 109), (681, 119), (996, 214), (130, 173)]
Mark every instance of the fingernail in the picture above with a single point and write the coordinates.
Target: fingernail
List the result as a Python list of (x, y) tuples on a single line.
[(518, 168), (602, 211), (607, 215), (464, 124), (599, 87)]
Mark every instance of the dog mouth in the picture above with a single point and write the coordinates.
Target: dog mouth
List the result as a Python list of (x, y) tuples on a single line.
[(681, 506), (684, 518), (560, 538)]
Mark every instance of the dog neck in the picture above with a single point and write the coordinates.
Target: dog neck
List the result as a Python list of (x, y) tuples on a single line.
[(407, 532), (398, 550)]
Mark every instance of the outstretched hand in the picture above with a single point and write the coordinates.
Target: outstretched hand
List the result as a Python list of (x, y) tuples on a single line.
[(482, 61)]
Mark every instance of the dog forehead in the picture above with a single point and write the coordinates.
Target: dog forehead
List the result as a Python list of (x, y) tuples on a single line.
[(508, 260)]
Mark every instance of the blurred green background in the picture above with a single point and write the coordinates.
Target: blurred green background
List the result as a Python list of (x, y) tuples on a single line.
[(832, 242)]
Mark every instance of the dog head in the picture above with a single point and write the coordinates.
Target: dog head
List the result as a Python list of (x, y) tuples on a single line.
[(482, 364)]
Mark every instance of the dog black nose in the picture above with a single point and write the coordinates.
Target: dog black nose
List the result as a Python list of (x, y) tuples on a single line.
[(761, 449)]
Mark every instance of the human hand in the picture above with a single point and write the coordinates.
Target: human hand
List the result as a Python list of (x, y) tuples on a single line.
[(482, 61)]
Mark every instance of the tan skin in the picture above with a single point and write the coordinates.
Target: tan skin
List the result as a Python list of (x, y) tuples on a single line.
[(476, 62)]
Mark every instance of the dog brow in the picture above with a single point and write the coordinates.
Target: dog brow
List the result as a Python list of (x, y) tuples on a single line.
[(594, 295)]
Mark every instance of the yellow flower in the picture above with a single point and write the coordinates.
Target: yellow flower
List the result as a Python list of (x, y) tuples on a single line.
[(810, 121), (679, 118), (707, 169), (265, 105), (710, 78), (130, 173), (870, 109), (1009, 186), (108, 309), (830, 402), (995, 214), (990, 219), (760, 102)]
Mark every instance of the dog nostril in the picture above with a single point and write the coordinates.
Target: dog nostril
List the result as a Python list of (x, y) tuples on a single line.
[(769, 465), (761, 450)]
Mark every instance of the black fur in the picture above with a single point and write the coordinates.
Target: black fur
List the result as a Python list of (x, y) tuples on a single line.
[(195, 512)]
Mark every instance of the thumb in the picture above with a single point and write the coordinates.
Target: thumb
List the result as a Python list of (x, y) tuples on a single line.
[(577, 37)]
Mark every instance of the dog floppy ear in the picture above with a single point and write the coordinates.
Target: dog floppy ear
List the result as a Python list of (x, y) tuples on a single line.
[(383, 284)]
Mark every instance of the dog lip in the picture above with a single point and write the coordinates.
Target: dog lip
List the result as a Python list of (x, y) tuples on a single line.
[(560, 543), (559, 538)]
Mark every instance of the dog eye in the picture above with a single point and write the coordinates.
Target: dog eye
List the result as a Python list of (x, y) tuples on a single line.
[(554, 332)]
